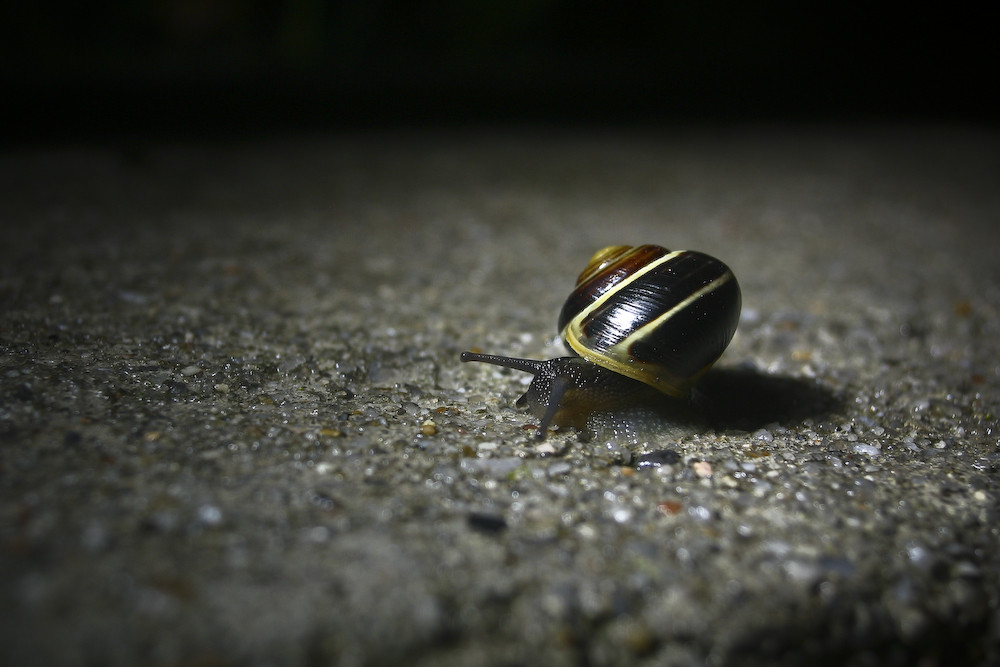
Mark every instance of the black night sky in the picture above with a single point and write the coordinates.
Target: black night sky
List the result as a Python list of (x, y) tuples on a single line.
[(224, 67)]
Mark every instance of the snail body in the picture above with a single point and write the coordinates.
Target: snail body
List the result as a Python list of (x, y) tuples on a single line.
[(638, 317)]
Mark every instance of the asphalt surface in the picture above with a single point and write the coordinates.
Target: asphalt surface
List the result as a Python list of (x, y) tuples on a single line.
[(234, 428)]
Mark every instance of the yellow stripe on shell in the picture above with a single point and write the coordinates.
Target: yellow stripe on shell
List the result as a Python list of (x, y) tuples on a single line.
[(597, 303)]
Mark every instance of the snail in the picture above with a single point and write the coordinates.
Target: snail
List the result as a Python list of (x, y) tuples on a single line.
[(642, 322)]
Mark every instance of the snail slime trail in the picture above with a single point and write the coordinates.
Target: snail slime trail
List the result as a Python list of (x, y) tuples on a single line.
[(640, 317)]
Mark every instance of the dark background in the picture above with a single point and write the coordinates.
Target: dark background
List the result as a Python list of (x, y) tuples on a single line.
[(223, 67)]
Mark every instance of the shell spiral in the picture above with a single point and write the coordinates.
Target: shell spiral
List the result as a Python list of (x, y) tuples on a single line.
[(659, 316)]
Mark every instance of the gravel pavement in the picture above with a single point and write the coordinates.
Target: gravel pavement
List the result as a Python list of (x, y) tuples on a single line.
[(234, 428)]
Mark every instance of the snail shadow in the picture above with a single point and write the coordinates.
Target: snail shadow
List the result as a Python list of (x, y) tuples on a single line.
[(747, 399)]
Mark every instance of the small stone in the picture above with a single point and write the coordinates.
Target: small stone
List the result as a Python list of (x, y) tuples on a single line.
[(658, 458), (702, 468), (486, 522), (497, 467), (621, 514), (865, 448), (210, 515), (559, 468), (546, 447), (428, 427), (669, 507)]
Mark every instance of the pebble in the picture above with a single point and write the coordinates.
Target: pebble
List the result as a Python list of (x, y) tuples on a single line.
[(658, 458), (560, 468), (210, 515), (868, 449), (497, 467)]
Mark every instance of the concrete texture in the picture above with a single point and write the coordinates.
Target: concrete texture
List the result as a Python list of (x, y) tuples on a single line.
[(234, 428)]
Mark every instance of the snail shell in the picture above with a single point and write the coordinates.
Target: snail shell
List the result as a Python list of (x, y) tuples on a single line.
[(658, 316)]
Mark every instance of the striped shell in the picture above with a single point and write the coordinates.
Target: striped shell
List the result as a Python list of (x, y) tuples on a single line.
[(659, 316)]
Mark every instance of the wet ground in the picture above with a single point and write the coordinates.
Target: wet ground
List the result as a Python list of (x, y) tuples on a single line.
[(234, 428)]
